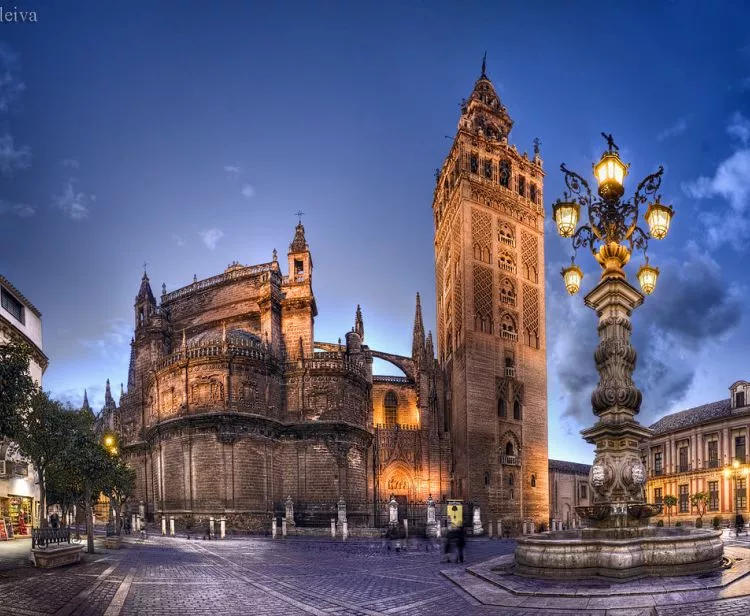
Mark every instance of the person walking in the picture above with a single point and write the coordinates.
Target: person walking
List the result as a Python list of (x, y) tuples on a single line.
[(448, 548), (460, 543)]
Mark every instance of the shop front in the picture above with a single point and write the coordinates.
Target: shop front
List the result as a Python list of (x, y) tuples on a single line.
[(18, 501)]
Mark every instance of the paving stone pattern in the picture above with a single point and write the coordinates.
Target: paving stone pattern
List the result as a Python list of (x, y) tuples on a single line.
[(263, 577)]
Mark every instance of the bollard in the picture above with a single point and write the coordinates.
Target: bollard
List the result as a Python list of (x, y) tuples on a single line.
[(211, 531), (273, 528), (171, 526), (344, 531), (163, 526), (439, 529), (406, 527), (283, 527), (133, 523), (499, 529), (333, 527), (489, 531), (223, 522)]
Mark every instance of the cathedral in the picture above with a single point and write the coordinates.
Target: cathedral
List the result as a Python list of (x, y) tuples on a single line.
[(233, 407)]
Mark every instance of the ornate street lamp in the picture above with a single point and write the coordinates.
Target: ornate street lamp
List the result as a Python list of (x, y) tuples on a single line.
[(736, 471), (612, 234)]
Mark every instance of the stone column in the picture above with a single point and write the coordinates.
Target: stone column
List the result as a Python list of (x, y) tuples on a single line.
[(163, 526), (134, 523), (273, 527), (406, 527), (477, 528), (341, 513), (283, 527), (171, 526), (333, 527), (489, 530), (223, 523), (211, 531), (289, 511), (344, 530), (725, 446), (617, 474)]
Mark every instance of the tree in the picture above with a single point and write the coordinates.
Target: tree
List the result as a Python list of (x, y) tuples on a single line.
[(16, 386), (43, 431), (119, 485), (669, 502), (699, 500)]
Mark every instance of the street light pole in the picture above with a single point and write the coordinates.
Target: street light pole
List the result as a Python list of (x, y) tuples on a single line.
[(617, 476), (735, 472)]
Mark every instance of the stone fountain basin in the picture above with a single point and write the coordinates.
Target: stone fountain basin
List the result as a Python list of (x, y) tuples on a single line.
[(623, 553)]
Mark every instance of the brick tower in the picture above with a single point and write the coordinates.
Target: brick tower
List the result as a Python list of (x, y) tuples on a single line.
[(489, 262)]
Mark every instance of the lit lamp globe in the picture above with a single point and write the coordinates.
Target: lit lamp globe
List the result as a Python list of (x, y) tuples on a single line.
[(566, 214), (658, 217), (610, 172), (572, 275), (647, 276), (109, 441)]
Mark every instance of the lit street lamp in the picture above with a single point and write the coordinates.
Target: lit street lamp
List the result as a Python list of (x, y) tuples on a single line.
[(612, 234), (736, 471)]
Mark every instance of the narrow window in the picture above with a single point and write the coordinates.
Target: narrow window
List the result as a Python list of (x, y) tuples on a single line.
[(501, 407), (516, 410), (474, 163), (521, 185), (486, 479), (741, 495), (739, 449), (504, 175), (658, 498), (299, 267), (657, 463), (488, 169), (583, 491), (739, 399), (12, 305), (713, 454), (532, 192), (684, 466), (713, 495), (509, 449), (533, 481), (684, 499), (391, 408)]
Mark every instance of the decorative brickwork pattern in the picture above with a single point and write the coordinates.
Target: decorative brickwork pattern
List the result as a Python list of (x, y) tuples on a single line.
[(458, 304), (483, 298), (531, 315), (481, 229), (530, 256)]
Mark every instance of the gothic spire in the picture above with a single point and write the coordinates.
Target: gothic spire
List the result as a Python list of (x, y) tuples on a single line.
[(429, 350), (299, 243), (131, 366), (359, 324), (145, 293), (109, 401), (484, 66), (482, 113), (417, 345), (122, 393), (85, 406)]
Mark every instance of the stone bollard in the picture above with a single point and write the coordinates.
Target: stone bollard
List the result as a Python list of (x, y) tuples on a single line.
[(432, 529), (283, 527), (333, 527), (171, 526), (477, 528), (499, 529), (273, 528), (211, 530), (344, 530), (392, 511), (133, 523), (489, 530), (406, 527), (163, 526), (439, 529), (289, 511), (223, 523)]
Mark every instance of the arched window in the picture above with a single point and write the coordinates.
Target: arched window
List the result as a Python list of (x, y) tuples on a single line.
[(486, 478), (516, 410), (505, 261), (505, 235), (391, 408), (477, 252), (532, 192), (508, 328), (509, 449), (501, 411), (510, 481), (533, 481), (521, 185), (507, 293), (488, 169), (486, 255), (474, 163), (504, 175)]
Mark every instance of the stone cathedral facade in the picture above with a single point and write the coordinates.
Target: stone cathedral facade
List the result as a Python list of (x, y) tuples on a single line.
[(232, 405)]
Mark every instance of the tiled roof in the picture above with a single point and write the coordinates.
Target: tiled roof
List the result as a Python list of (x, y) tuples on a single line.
[(8, 285), (692, 417), (564, 466)]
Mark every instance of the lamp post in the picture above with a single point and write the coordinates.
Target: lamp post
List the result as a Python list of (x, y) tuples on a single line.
[(736, 471), (612, 234), (110, 442)]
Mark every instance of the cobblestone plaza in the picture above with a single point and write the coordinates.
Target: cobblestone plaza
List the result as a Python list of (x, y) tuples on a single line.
[(166, 577)]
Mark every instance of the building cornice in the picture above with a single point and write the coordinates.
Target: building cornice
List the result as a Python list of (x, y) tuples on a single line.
[(14, 333), (19, 296)]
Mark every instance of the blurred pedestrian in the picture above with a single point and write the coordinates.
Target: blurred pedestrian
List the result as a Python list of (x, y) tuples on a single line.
[(460, 543), (450, 537)]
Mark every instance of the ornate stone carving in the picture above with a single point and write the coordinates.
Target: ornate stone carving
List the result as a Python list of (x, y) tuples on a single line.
[(615, 361)]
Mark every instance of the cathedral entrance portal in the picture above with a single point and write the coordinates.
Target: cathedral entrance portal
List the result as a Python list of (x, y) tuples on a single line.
[(403, 507)]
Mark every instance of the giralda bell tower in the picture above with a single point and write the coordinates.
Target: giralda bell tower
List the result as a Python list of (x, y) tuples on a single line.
[(489, 263)]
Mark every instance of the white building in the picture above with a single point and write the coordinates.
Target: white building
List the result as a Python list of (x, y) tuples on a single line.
[(19, 491)]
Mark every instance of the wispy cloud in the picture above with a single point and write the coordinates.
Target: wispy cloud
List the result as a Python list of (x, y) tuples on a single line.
[(114, 343), (731, 183), (73, 204), (211, 236), (22, 210), (233, 169), (70, 163), (13, 158), (248, 191), (10, 86), (678, 128), (739, 128)]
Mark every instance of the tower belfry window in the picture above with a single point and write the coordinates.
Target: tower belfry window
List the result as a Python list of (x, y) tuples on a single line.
[(504, 175), (474, 163), (521, 185), (488, 169), (299, 267), (391, 408)]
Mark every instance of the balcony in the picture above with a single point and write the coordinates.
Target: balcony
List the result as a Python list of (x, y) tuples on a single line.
[(713, 463), (508, 300), (657, 472), (510, 460), (509, 335), (684, 467), (510, 371)]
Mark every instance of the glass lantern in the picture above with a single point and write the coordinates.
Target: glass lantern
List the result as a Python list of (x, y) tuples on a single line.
[(610, 172), (566, 215), (572, 275), (647, 276), (658, 217)]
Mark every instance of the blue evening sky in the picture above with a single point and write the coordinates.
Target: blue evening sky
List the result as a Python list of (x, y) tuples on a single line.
[(186, 134)]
